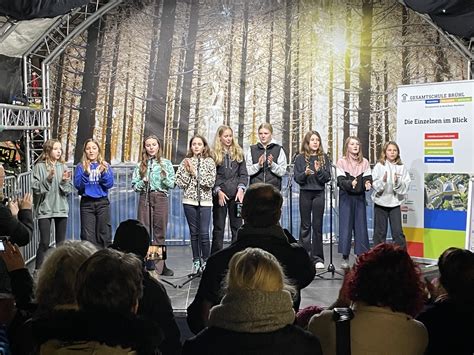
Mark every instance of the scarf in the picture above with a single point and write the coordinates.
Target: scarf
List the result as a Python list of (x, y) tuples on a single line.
[(253, 311)]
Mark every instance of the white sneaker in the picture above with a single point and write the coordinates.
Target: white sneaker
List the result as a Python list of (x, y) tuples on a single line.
[(320, 265), (196, 266), (345, 264)]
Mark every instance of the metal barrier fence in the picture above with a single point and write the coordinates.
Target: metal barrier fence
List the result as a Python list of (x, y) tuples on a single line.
[(124, 202)]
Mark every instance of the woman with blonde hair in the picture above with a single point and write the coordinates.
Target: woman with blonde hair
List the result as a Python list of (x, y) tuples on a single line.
[(256, 314), (231, 181), (93, 178), (312, 171)]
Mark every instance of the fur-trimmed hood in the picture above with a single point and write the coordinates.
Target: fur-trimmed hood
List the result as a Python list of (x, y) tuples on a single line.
[(110, 329)]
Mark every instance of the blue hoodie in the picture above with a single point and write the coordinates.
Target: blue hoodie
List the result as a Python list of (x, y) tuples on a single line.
[(95, 184)]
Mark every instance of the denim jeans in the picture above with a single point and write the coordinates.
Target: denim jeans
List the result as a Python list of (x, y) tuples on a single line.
[(198, 218)]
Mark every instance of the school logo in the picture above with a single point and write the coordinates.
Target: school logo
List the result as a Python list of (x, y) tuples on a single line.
[(404, 97)]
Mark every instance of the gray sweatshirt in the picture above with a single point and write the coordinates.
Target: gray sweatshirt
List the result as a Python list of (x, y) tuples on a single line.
[(50, 198)]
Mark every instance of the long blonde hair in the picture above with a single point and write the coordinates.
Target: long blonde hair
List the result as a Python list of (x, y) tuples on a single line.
[(145, 157), (86, 162), (360, 157), (383, 154), (306, 151), (256, 269), (47, 149), (236, 152)]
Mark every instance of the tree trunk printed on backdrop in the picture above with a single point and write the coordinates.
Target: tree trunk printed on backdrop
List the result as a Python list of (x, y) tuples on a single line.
[(111, 96), (185, 109), (243, 74), (179, 67), (365, 75), (156, 115), (86, 124), (347, 77), (286, 133)]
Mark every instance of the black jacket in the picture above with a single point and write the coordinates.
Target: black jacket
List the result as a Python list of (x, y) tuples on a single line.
[(296, 263), (19, 231), (229, 175), (288, 340), (156, 306), (111, 329)]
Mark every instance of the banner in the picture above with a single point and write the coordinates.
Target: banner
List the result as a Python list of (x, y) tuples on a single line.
[(435, 134)]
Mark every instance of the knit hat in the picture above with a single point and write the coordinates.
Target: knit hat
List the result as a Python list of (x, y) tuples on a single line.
[(132, 236)]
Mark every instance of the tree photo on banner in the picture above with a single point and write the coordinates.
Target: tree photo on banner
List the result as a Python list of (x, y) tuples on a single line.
[(179, 67)]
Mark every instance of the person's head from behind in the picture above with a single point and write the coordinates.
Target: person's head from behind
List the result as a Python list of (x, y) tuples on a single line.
[(261, 206), (57, 276), (456, 269), (255, 269), (386, 276), (132, 236), (110, 281)]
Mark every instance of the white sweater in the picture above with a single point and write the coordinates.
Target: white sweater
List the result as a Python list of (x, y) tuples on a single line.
[(389, 193)]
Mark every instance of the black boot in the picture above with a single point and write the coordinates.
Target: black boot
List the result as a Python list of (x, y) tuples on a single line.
[(166, 271)]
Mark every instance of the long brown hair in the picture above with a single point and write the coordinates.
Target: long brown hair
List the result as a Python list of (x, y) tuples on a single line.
[(383, 154), (235, 150), (47, 149), (206, 151), (360, 157), (86, 162), (306, 151), (145, 156)]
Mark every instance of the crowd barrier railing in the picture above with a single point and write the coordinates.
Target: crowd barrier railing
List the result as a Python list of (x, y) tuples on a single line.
[(124, 203)]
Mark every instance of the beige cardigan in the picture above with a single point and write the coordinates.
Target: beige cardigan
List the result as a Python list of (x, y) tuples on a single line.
[(374, 330)]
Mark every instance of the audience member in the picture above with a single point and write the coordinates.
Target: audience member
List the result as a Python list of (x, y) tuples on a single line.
[(57, 276), (16, 223), (386, 290), (255, 316), (108, 287), (261, 212), (133, 237), (449, 320)]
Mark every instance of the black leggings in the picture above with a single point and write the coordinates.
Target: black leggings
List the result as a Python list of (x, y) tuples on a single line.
[(44, 224)]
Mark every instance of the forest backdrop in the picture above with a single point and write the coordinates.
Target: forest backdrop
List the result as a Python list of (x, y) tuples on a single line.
[(179, 67)]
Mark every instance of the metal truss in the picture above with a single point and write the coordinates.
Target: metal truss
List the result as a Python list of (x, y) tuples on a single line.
[(35, 124), (47, 48), (7, 26)]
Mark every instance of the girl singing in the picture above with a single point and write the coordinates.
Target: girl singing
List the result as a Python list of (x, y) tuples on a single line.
[(93, 178), (196, 176), (51, 186), (353, 178), (312, 171), (391, 182), (231, 181), (153, 178)]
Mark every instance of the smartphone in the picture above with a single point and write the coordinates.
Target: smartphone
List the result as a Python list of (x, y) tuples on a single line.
[(157, 252), (238, 210), (3, 240)]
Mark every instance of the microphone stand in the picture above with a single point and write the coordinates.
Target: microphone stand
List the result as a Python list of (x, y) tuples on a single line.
[(331, 268), (150, 263), (198, 272), (289, 186)]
